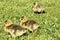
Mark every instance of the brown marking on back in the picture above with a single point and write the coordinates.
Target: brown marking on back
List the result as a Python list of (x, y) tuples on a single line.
[(15, 28), (29, 22)]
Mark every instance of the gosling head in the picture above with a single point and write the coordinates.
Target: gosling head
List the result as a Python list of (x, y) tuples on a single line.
[(8, 22), (23, 19), (35, 4)]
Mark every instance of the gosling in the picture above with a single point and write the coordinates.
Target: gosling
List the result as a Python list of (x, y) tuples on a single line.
[(31, 25), (37, 8), (13, 29)]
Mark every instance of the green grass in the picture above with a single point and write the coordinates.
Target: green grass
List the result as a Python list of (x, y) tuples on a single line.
[(49, 22)]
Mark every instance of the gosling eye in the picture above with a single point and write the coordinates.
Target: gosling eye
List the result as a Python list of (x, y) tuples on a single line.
[(5, 21), (34, 3), (21, 19)]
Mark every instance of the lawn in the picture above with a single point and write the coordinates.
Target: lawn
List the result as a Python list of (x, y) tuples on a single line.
[(49, 22)]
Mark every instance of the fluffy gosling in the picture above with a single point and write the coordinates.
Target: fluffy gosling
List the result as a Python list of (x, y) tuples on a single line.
[(31, 25), (37, 8), (13, 29)]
